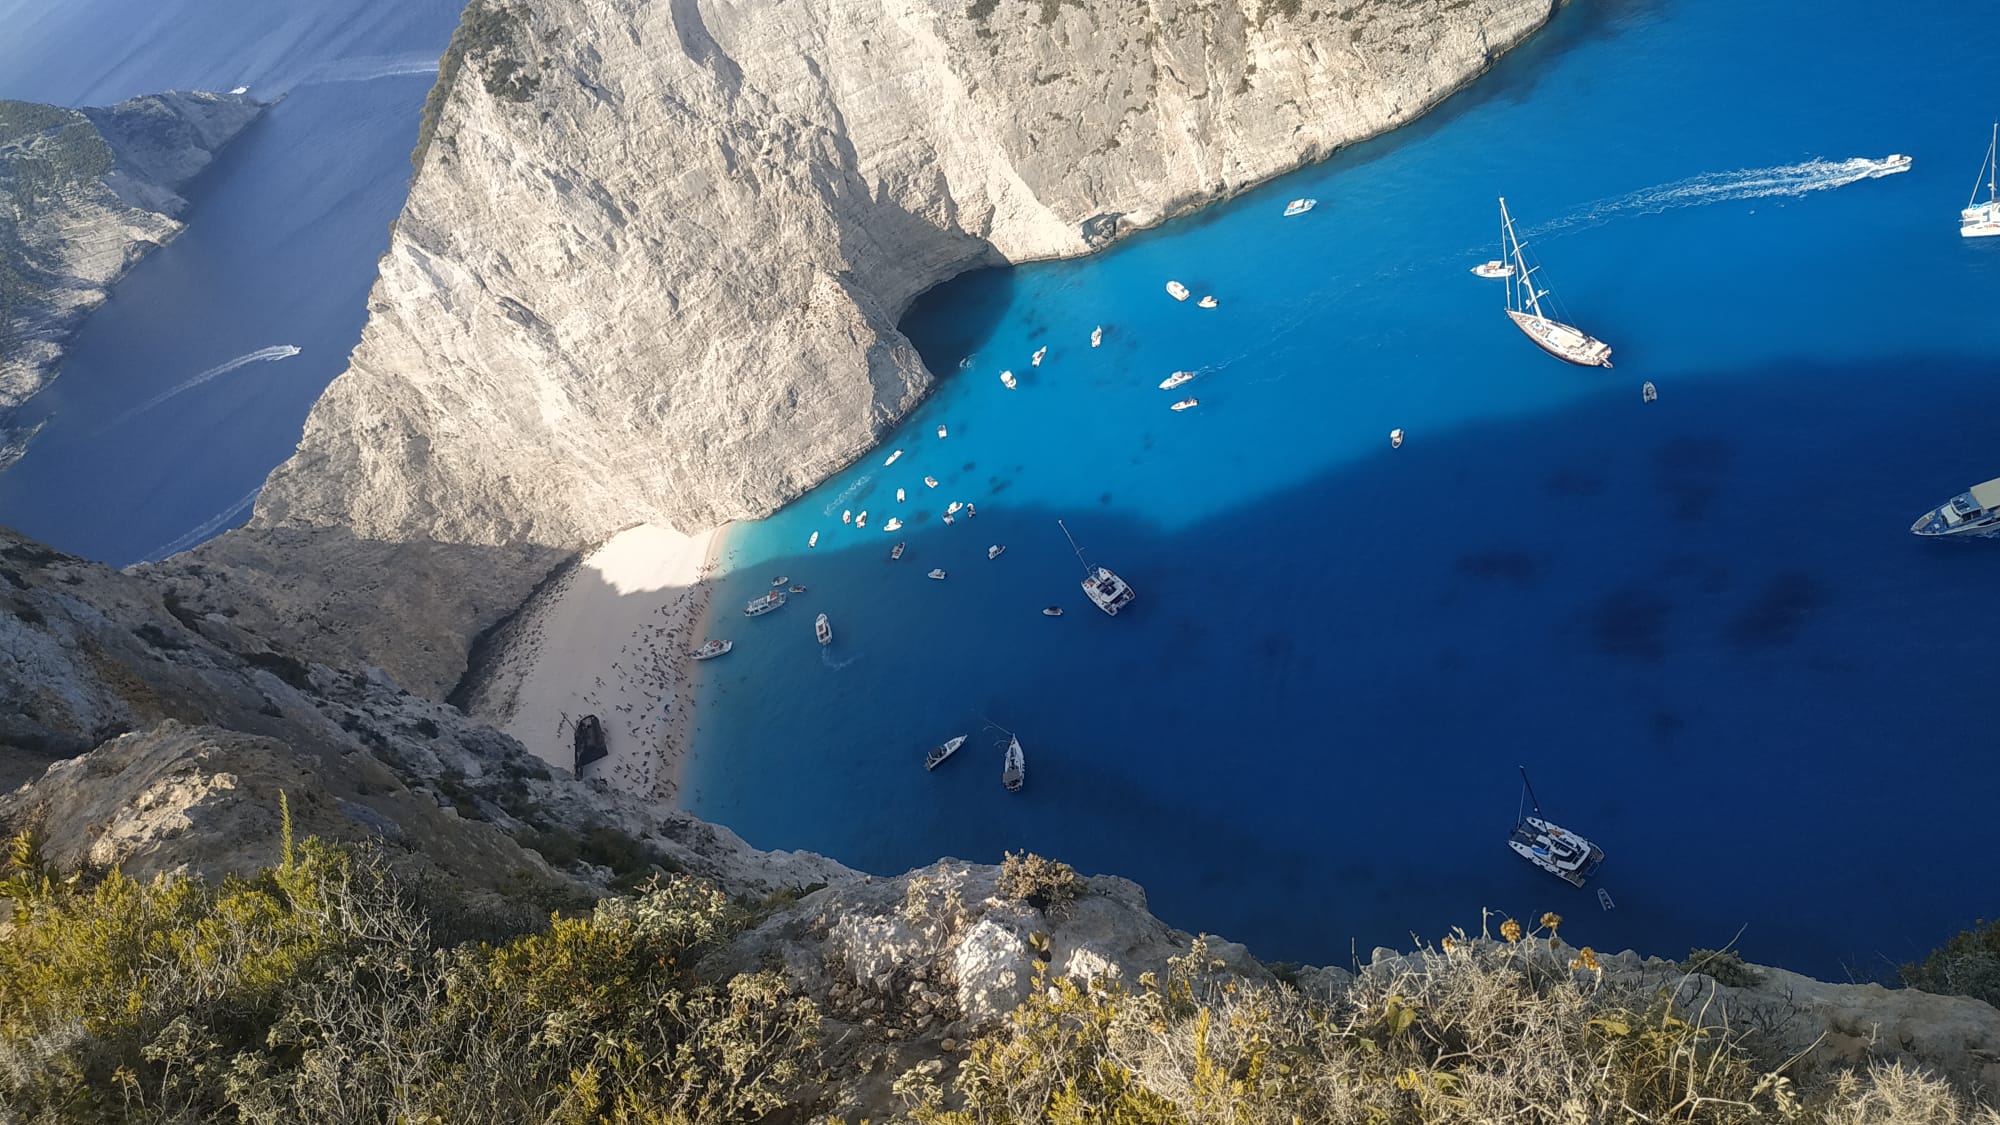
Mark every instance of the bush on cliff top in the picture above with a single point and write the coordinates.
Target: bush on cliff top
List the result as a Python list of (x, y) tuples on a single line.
[(1966, 965), (488, 34)]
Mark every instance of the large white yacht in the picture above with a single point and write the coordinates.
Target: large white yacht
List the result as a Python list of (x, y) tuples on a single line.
[(1105, 589), (1554, 849), (1975, 510), (758, 607), (1982, 220), (1524, 308)]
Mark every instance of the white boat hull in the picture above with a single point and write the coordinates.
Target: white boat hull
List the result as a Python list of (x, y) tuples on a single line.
[(1562, 341)]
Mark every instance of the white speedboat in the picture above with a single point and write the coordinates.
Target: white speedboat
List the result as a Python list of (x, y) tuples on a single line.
[(1007, 380), (996, 550), (1524, 308), (1982, 220), (1649, 392), (930, 482), (798, 589), (1976, 510), (894, 524), (861, 520), (780, 580), (1207, 302), (892, 458), (1105, 590), (1014, 773), (1185, 404), (813, 540), (758, 607), (1396, 438), (847, 515), (1176, 379), (1300, 207), (823, 629), (1893, 163), (937, 573), (896, 552), (1097, 336), (712, 649), (1052, 611), (899, 496), (1036, 359), (1552, 848), (942, 751), (1179, 291), (941, 431), (1494, 268), (952, 508)]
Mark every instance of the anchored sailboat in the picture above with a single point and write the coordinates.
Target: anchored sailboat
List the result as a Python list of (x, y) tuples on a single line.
[(1524, 308), (1105, 590), (1556, 850), (1982, 220)]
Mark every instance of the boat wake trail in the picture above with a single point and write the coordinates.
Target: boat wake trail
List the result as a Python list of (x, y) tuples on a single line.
[(846, 495), (207, 527), (261, 355), (368, 68), (1786, 180), (826, 658)]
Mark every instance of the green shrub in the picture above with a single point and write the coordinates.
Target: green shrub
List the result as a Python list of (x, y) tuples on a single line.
[(1047, 885), (1724, 965), (1966, 965), (488, 34)]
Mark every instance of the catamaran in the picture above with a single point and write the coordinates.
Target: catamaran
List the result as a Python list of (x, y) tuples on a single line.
[(1556, 850), (1975, 510), (1524, 307), (942, 751), (1982, 220), (1105, 590), (1015, 773)]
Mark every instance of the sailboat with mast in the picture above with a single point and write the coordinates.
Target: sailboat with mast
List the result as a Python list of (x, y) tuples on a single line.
[(1554, 849), (1105, 590), (1982, 220), (1524, 308)]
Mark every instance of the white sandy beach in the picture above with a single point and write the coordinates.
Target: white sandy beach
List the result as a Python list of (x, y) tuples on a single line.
[(612, 641)]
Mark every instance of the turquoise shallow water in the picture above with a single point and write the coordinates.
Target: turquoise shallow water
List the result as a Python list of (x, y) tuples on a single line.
[(1701, 623)]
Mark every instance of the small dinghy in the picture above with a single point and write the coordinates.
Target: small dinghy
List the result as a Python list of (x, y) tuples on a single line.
[(899, 496), (823, 629), (1007, 380), (937, 573), (1207, 302), (1649, 393), (847, 515), (798, 589), (893, 524), (953, 507), (930, 482), (996, 550), (896, 552), (862, 519), (1395, 439), (892, 458), (1015, 773), (948, 519), (970, 511), (1604, 899), (712, 649), (1179, 291), (1176, 379), (780, 580), (813, 540), (1036, 359), (1052, 611), (1097, 336), (1300, 207), (942, 432), (1185, 404), (942, 751), (1494, 268)]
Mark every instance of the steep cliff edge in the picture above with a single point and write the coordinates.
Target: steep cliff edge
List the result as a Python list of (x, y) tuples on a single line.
[(652, 264), (83, 195)]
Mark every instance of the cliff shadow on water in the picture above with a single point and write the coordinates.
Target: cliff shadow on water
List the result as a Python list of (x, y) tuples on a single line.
[(1701, 624)]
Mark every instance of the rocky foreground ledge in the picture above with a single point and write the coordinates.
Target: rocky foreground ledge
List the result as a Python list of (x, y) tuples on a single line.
[(84, 194)]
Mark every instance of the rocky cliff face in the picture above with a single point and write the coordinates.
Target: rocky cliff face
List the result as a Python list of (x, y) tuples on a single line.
[(651, 267), (83, 195)]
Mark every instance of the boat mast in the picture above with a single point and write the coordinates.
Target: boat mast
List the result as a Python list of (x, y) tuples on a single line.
[(1073, 546), (1531, 791), (1527, 297), (1992, 166)]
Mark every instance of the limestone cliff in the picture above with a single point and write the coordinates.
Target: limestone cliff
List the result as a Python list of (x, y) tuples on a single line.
[(83, 195), (652, 264)]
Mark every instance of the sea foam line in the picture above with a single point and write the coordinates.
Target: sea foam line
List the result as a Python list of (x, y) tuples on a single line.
[(1785, 180), (368, 68), (261, 355), (206, 528)]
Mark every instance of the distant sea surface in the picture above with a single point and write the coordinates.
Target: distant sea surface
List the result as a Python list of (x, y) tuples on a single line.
[(182, 391), (1701, 623)]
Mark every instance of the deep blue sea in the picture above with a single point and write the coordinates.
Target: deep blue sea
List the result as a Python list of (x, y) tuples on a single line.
[(1700, 623), (182, 391)]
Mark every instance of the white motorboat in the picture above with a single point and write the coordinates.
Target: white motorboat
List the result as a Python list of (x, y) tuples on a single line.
[(970, 511), (996, 550), (941, 431), (1552, 848), (1105, 590), (712, 649), (1494, 268), (1179, 291), (894, 524), (1207, 302), (780, 580), (1052, 611), (1097, 336), (1891, 164), (1007, 380), (798, 589), (930, 482), (1014, 773), (813, 540), (1649, 392), (1300, 207), (861, 520), (823, 629), (847, 515), (952, 508), (1974, 511), (1396, 438), (1524, 308), (892, 458), (1176, 379), (937, 573), (1036, 359), (758, 607), (896, 552), (1185, 404), (899, 496), (1982, 220), (942, 751)]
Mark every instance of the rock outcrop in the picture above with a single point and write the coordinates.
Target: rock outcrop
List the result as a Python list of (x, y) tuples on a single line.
[(83, 195), (651, 267)]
